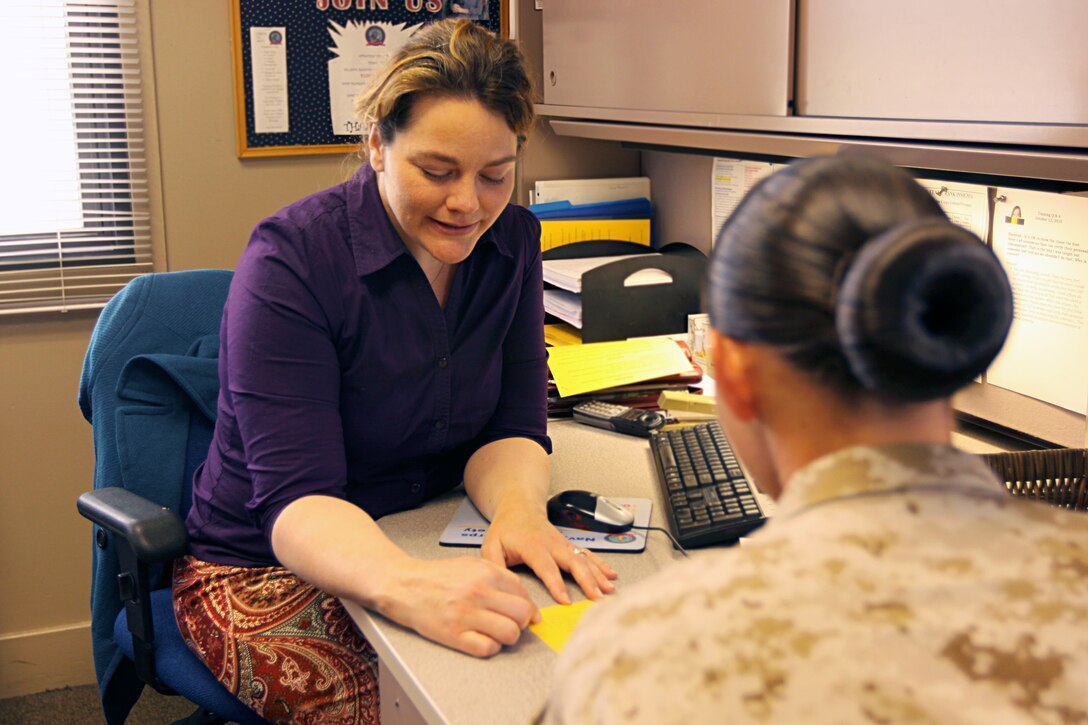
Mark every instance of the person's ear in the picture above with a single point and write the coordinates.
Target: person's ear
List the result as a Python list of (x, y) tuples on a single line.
[(732, 376), (375, 148)]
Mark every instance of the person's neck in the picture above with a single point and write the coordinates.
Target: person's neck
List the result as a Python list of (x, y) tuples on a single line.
[(438, 273), (442, 283), (814, 428)]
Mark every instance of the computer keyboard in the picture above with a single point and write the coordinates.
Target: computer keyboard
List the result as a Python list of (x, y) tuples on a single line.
[(708, 499)]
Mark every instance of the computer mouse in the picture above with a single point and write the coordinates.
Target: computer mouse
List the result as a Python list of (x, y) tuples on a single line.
[(587, 511)]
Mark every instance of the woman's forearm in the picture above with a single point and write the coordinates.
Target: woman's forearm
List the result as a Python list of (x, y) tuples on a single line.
[(467, 603), (337, 547), (512, 472)]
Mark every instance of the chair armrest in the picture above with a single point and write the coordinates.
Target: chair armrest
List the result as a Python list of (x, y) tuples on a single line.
[(147, 534), (154, 532)]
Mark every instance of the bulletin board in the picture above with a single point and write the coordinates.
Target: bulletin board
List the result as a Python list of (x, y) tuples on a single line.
[(298, 64)]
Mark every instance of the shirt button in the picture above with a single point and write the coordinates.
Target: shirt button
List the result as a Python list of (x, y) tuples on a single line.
[(440, 424), (416, 488), (443, 362)]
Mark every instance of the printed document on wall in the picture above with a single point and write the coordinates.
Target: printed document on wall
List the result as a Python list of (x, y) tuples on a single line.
[(965, 204), (730, 180), (1042, 239), (361, 49), (268, 58)]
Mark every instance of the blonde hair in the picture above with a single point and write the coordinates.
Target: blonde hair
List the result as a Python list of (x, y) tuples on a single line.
[(455, 57)]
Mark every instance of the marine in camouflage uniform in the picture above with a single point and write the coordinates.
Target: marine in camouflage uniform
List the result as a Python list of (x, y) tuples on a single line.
[(898, 584)]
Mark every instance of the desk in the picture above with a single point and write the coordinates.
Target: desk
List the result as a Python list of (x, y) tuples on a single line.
[(445, 686), (511, 687)]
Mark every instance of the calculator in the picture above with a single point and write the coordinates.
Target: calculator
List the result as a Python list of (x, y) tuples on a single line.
[(620, 418)]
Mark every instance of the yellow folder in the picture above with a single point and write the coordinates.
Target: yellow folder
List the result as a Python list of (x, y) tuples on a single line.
[(556, 233)]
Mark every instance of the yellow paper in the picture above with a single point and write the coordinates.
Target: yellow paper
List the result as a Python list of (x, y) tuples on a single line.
[(580, 369), (556, 233), (562, 334), (558, 622)]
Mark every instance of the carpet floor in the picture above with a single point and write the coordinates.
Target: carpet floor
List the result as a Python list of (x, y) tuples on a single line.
[(80, 706)]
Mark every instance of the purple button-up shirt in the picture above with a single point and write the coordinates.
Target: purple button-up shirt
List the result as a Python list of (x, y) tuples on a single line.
[(342, 376)]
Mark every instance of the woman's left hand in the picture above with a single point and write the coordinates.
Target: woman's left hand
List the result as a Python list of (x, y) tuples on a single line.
[(527, 537)]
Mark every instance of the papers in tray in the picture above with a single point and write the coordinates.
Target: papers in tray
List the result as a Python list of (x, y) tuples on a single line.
[(567, 273), (467, 528), (567, 306)]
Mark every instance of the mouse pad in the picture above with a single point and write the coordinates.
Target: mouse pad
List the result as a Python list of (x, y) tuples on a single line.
[(467, 528)]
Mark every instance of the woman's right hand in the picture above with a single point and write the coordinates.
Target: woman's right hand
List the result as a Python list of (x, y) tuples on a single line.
[(468, 603)]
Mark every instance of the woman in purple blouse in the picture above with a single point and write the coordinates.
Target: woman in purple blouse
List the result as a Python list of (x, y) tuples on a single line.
[(382, 342)]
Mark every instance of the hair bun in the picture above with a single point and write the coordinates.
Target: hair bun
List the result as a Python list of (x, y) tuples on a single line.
[(922, 310)]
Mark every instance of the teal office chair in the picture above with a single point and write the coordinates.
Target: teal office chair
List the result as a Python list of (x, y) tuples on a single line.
[(149, 388)]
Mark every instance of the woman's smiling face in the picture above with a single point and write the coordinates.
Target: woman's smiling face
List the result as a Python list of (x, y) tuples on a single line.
[(446, 176)]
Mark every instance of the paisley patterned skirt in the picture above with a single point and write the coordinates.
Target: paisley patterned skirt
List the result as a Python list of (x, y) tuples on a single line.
[(287, 650)]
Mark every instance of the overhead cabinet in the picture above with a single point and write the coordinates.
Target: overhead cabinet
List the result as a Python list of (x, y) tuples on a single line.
[(1017, 61), (978, 86), (696, 56)]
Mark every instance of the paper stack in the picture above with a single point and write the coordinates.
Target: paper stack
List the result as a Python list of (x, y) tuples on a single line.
[(629, 372)]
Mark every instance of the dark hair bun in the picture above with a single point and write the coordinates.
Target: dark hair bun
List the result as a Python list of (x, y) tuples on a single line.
[(922, 310)]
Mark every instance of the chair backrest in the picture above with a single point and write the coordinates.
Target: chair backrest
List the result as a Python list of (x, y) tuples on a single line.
[(198, 441), (152, 351), (148, 387)]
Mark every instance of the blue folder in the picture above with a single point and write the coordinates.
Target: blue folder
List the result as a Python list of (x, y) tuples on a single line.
[(636, 208)]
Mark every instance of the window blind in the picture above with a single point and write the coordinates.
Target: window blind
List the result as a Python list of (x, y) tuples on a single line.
[(74, 220)]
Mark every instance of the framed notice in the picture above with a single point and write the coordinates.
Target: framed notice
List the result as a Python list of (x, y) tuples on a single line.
[(298, 64)]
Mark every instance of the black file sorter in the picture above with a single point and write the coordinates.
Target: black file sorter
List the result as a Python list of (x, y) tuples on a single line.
[(613, 311)]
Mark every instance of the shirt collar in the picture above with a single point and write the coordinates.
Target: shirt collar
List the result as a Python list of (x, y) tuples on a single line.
[(865, 470), (375, 243)]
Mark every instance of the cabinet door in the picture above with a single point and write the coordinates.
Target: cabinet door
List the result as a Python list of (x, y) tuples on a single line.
[(1015, 61), (696, 56)]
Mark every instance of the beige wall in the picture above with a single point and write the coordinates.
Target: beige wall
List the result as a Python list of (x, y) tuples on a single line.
[(209, 202)]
